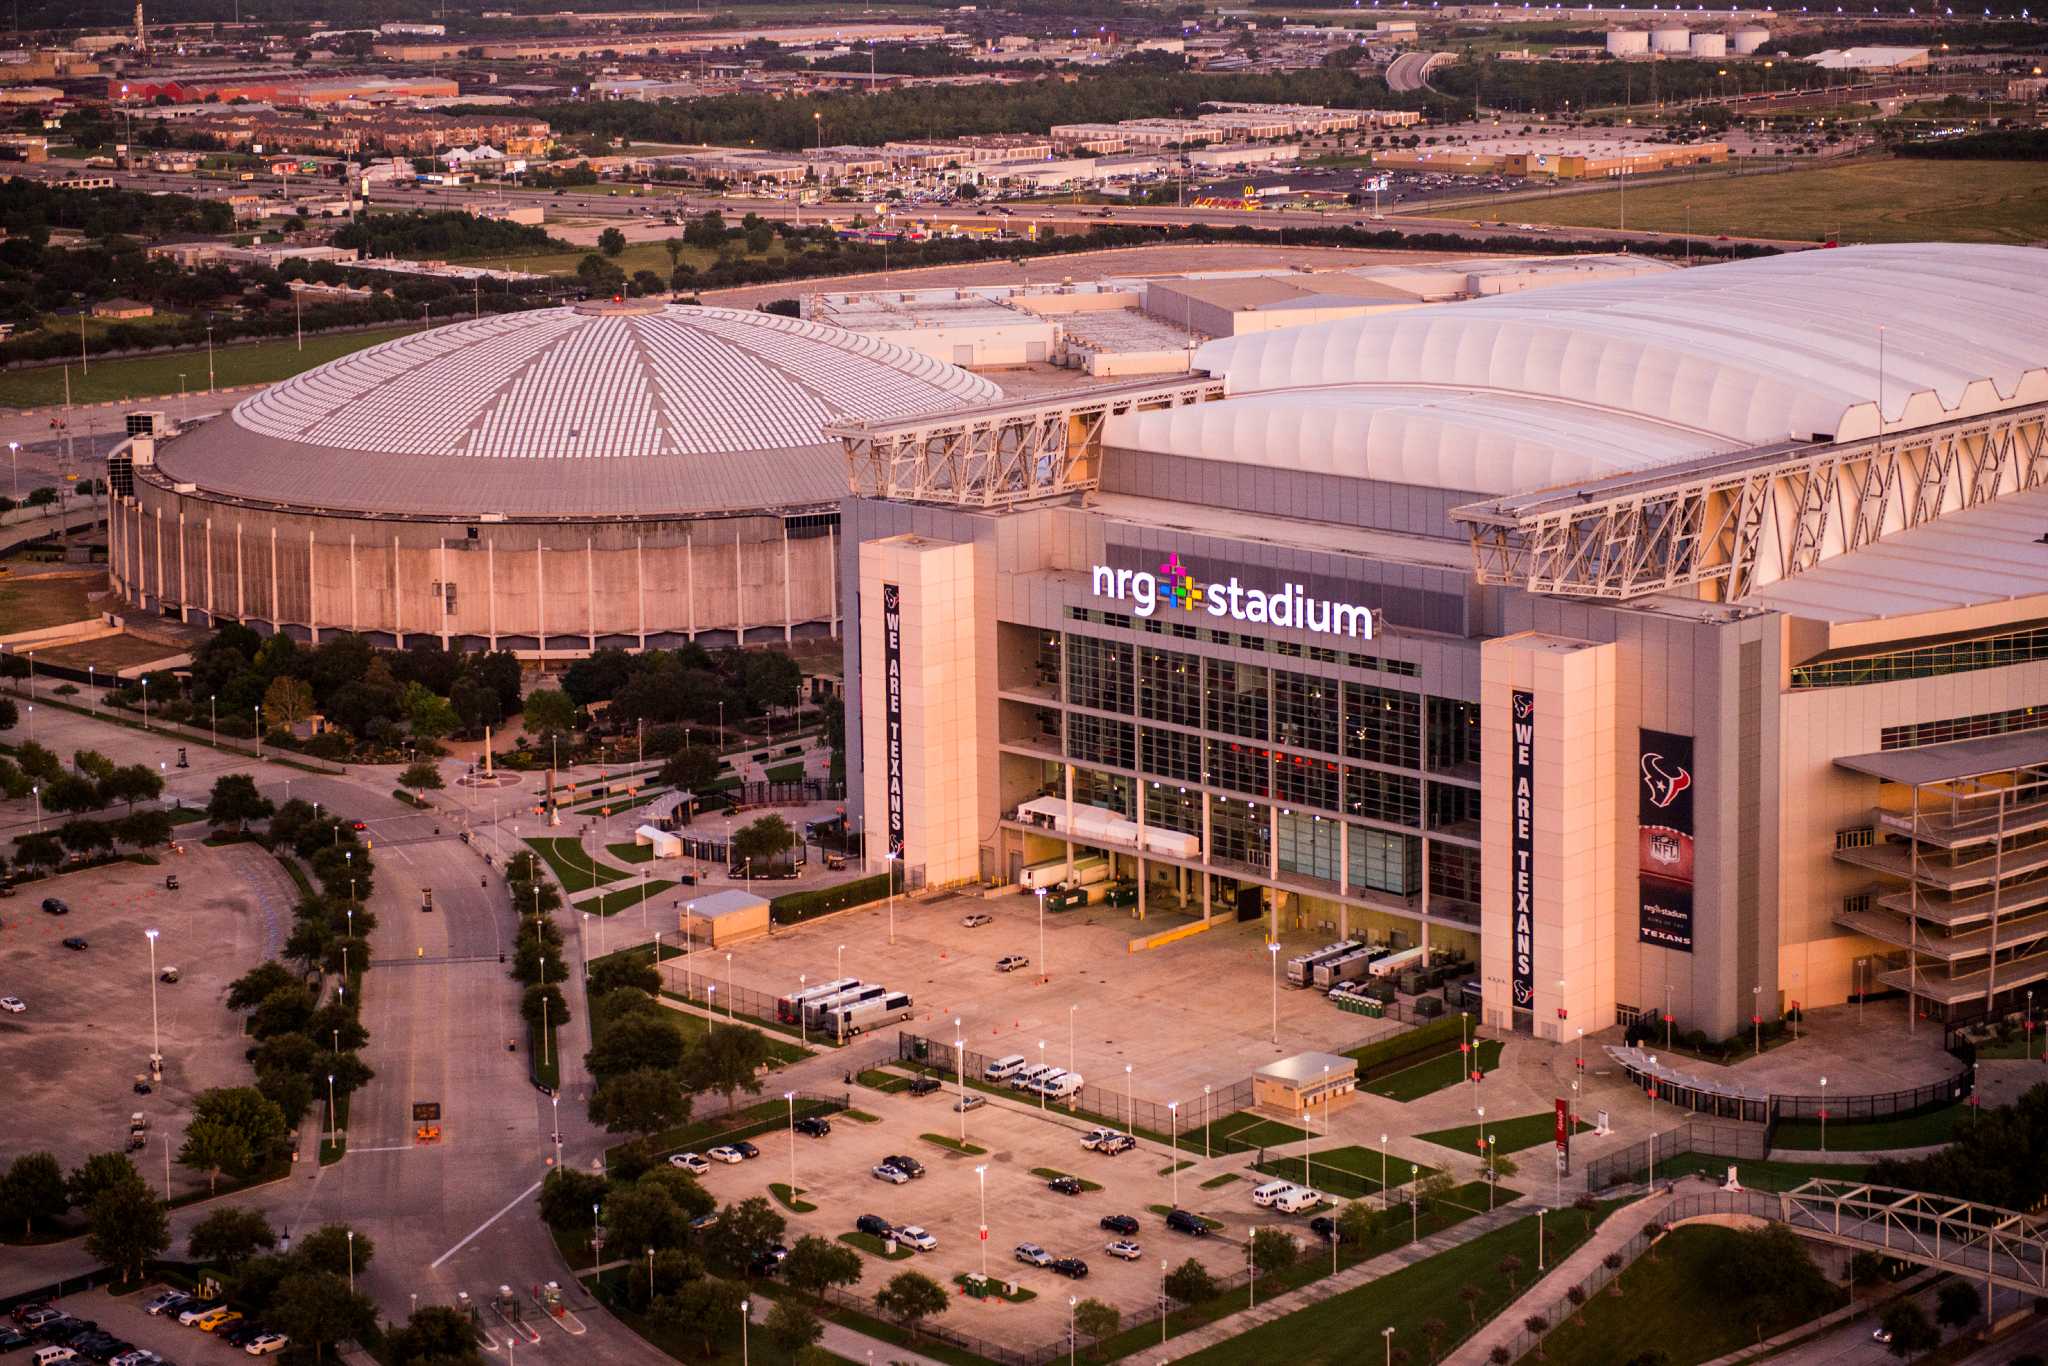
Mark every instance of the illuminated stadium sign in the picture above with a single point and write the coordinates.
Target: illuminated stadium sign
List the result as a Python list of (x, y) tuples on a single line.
[(1174, 586)]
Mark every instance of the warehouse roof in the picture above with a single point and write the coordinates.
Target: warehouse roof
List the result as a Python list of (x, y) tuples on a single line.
[(592, 409), (1520, 392)]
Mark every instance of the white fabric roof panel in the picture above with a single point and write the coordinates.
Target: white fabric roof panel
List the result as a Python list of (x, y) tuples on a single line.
[(1651, 371)]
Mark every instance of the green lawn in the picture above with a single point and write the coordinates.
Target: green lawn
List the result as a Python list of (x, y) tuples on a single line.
[(572, 866), (1346, 1328), (151, 376), (1510, 1135), (780, 1051), (1249, 1131), (745, 1122), (946, 1141), (1349, 1173), (1661, 1307), (611, 903), (785, 773), (1913, 1131), (870, 1244), (1756, 1175), (1906, 200), (1052, 1173), (630, 853), (1427, 1078)]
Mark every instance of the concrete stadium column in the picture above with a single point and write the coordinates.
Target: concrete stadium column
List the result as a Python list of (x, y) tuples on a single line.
[(212, 608), (590, 592), (355, 614), (184, 588), (833, 558), (1554, 841), (241, 579), (739, 587), (690, 575), (276, 619), (114, 548), (540, 602), (491, 584), (312, 618), (640, 584), (1138, 788), (442, 596), (788, 609), (397, 605)]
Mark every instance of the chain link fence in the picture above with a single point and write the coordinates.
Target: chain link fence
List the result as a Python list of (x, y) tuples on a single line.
[(1133, 1114), (1632, 1164), (720, 996)]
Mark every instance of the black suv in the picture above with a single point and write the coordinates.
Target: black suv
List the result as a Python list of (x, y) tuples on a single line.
[(1324, 1227), (873, 1223), (767, 1261), (923, 1086), (1073, 1268), (812, 1125), (55, 907), (1065, 1185), (1180, 1221), (1120, 1223), (909, 1166)]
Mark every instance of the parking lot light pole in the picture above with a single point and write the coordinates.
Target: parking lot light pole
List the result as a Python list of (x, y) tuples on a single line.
[(981, 1174), (1173, 1124), (790, 1096), (351, 1261), (156, 1049), (1823, 1114), (1072, 1300), (1273, 952), (745, 1310), (1070, 1021), (960, 1079), (557, 1101), (330, 1107), (1129, 1109), (1043, 975), (1414, 1209), (1041, 1072), (1207, 1112), (803, 1009), (729, 993), (1385, 1199)]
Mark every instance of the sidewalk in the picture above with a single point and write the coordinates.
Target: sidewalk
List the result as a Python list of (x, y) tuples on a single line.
[(1350, 1278), (1611, 1236)]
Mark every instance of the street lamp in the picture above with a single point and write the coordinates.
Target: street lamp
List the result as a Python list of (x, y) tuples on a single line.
[(1041, 933), (156, 1050), (1823, 1114), (1173, 1129), (803, 1010), (889, 870), (1388, 1333), (1041, 1072), (729, 991), (981, 1174), (790, 1097), (1129, 1109), (1273, 951), (1756, 1016), (557, 1102), (744, 1310), (1206, 1114), (960, 1079), (1386, 1199), (351, 1261)]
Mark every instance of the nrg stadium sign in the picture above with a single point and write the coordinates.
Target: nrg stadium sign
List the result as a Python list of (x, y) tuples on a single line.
[(1174, 585)]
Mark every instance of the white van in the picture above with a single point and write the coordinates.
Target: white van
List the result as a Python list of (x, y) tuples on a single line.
[(1043, 1081), (1295, 1199), (1062, 1086), (50, 1356), (1024, 1080), (1265, 1195), (1003, 1068)]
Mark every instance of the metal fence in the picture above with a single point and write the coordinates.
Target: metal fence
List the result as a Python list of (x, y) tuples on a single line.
[(1852, 1109), (1631, 1164), (719, 995), (1132, 1113)]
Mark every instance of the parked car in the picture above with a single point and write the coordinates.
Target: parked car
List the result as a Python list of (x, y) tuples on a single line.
[(1126, 1249), (191, 1314), (76, 943), (1120, 1223), (1065, 1185), (1010, 962), (1073, 1268), (263, 1344), (767, 1261), (703, 1222), (1122, 1143), (217, 1320), (882, 1171), (13, 1005), (726, 1154), (812, 1125), (909, 1166), (55, 907), (242, 1334), (970, 1102), (923, 1086), (746, 1150), (1181, 1221), (872, 1223), (1324, 1227), (917, 1238), (169, 1300), (976, 920), (691, 1163), (1031, 1254), (13, 1340), (1096, 1137)]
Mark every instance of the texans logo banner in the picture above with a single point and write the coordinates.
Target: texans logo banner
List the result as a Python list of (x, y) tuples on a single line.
[(1664, 822)]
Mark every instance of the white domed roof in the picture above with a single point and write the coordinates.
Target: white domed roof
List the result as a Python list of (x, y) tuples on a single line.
[(594, 409)]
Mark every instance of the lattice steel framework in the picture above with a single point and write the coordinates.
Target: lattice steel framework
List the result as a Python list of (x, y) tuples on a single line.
[(1737, 522), (1982, 1242), (1003, 454)]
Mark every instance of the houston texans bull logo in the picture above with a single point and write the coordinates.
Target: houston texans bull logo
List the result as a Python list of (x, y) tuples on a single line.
[(1663, 784)]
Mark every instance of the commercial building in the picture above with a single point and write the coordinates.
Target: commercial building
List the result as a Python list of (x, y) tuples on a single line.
[(1559, 158), (550, 482), (722, 918), (1306, 1084), (1870, 59), (1652, 642)]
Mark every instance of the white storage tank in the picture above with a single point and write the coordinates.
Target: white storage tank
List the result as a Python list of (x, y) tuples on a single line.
[(1748, 40), (1628, 42), (1711, 46), (1670, 39)]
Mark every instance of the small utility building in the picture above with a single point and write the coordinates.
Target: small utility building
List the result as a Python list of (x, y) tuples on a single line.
[(1306, 1084), (724, 918)]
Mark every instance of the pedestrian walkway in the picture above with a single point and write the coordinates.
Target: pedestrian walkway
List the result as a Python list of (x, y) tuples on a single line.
[(1611, 1236), (845, 1342), (1350, 1278)]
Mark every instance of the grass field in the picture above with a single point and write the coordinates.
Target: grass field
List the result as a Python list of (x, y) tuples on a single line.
[(1913, 1131), (611, 903), (1249, 1129), (150, 376), (1346, 1328), (631, 853), (1350, 1173), (39, 600), (572, 866), (780, 1051), (1660, 1308), (1511, 1135), (637, 256), (1427, 1078), (1763, 1176), (785, 773), (1880, 201)]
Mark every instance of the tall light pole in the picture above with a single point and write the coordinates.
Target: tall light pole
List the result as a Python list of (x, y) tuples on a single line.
[(1388, 1333), (1207, 1114), (557, 1101), (981, 1174), (1129, 1108), (1042, 974), (790, 1097), (330, 1108), (1823, 1114), (1756, 1016), (1385, 1199), (351, 1261), (1173, 1124), (730, 994), (156, 1050), (1070, 1026), (803, 1009), (1041, 1072), (1273, 952), (960, 1079), (745, 1309), (889, 871)]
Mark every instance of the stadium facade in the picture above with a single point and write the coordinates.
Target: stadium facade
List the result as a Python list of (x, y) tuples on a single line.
[(1706, 670), (550, 482)]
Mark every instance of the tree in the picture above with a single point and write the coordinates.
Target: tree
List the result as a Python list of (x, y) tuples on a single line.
[(566, 1197), (41, 850), (1190, 1283), (1274, 1250), (329, 1248), (703, 1309), (230, 1236), (92, 764), (420, 776), (99, 1173), (1471, 1295), (1433, 1331), (1577, 1296), (743, 1232), (1537, 1326), (793, 1327), (1434, 1189), (243, 1110), (436, 1335), (645, 1100), (1097, 1321), (549, 710), (814, 1266), (213, 1149), (131, 783), (1866, 1268), (235, 801), (126, 1226), (691, 770), (763, 842), (144, 829), (1612, 1261), (1357, 1222), (911, 1297), (611, 241), (1955, 1305), (621, 972), (1910, 1331), (33, 1189), (254, 986), (319, 1308), (1510, 1267), (726, 1060), (286, 702)]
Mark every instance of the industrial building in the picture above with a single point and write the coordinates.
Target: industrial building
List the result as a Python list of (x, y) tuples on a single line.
[(1558, 158), (1676, 642), (550, 482)]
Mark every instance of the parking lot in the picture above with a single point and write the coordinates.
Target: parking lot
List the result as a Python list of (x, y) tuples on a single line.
[(72, 1056), (835, 1174), (1198, 1011), (123, 1316)]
